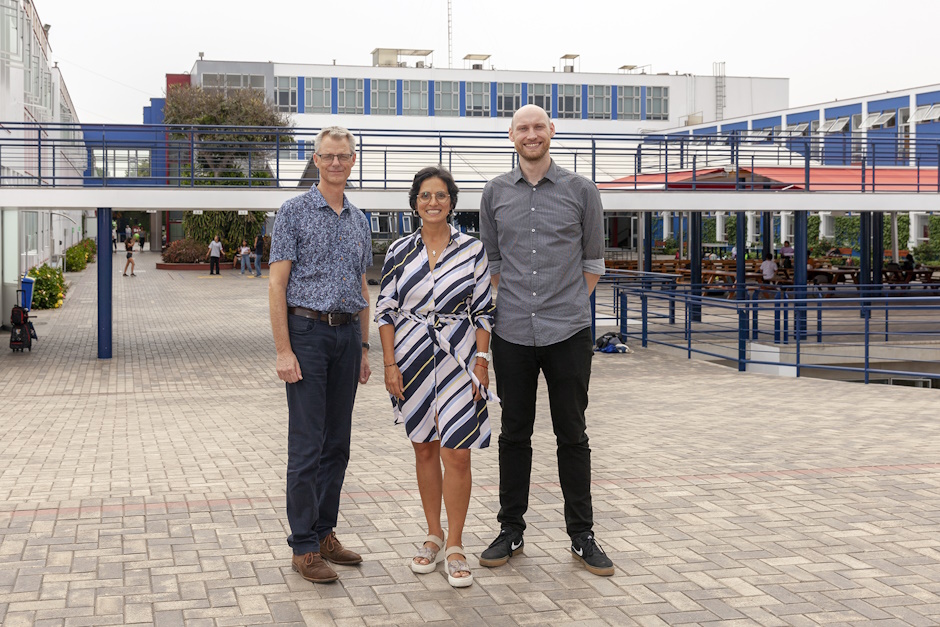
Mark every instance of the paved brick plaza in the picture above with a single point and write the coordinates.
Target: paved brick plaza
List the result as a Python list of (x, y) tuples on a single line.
[(149, 488)]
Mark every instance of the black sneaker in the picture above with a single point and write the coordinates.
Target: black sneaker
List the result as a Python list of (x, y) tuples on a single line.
[(509, 542), (586, 549)]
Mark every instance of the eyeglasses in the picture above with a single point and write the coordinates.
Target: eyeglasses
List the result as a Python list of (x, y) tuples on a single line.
[(427, 196), (344, 157)]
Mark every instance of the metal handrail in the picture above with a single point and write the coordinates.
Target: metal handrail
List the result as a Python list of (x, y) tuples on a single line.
[(32, 154)]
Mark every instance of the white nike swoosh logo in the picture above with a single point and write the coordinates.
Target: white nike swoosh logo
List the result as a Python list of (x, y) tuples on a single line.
[(580, 552), (516, 546)]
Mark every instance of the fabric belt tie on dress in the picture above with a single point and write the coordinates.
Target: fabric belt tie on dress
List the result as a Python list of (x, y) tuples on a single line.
[(433, 321), (333, 318)]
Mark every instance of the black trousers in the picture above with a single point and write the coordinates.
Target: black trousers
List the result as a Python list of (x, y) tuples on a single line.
[(567, 369), (213, 263)]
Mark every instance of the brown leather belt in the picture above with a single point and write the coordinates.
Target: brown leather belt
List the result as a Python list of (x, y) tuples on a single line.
[(333, 318)]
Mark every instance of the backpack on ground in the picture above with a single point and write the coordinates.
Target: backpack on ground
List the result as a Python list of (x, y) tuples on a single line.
[(22, 332)]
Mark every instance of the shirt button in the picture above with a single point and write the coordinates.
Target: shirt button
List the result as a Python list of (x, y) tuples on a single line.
[(533, 293), (534, 272), (533, 252), (533, 315), (533, 208), (533, 230), (533, 189)]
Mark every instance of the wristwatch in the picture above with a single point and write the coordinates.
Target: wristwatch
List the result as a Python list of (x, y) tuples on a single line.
[(482, 355), (366, 345)]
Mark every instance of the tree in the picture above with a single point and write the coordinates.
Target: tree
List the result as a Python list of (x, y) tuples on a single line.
[(234, 133), (230, 129)]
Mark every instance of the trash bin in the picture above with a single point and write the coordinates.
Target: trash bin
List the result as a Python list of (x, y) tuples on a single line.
[(26, 285)]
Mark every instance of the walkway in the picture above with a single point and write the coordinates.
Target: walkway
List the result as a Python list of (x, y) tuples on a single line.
[(149, 488)]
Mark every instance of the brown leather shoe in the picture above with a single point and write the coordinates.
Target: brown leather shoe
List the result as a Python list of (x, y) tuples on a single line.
[(312, 568), (332, 550)]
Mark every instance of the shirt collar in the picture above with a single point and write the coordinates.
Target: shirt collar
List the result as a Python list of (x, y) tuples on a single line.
[(551, 175), (453, 237), (320, 202)]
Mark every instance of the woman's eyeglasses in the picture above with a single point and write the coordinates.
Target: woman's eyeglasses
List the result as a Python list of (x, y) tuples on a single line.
[(427, 196)]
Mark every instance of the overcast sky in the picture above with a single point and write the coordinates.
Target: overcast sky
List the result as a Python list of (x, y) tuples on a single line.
[(115, 53)]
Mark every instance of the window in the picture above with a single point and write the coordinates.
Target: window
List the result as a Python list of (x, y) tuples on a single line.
[(446, 95), (541, 95), (598, 102), (508, 99), (478, 99), (382, 222), (919, 114), (628, 102), (349, 95), (285, 93), (657, 103), (934, 114), (122, 163), (406, 224), (569, 101), (384, 97), (232, 81), (317, 95), (9, 29), (414, 97)]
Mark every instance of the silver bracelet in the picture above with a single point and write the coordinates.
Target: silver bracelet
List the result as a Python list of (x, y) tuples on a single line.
[(482, 355)]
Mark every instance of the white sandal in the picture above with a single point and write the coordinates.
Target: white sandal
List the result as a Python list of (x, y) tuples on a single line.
[(433, 557), (457, 566)]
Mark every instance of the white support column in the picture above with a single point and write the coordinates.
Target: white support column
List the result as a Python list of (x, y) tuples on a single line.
[(751, 227), (721, 220), (667, 225), (786, 226)]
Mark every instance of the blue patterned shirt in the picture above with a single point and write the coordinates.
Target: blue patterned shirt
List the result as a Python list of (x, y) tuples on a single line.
[(329, 253)]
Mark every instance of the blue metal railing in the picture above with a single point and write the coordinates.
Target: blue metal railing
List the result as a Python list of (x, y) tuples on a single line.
[(161, 155), (864, 332)]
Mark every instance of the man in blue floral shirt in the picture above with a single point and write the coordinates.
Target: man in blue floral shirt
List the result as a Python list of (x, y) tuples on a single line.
[(319, 301)]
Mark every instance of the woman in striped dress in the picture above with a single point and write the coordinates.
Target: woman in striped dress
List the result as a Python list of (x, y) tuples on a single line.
[(435, 313)]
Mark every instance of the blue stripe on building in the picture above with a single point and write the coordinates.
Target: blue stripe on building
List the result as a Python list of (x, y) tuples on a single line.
[(735, 126), (584, 102), (642, 103), (803, 116), (525, 93), (493, 99), (554, 100), (843, 111), (334, 97), (367, 96), (463, 99), (431, 98), (399, 90), (931, 97), (301, 108), (766, 122), (613, 102), (888, 104)]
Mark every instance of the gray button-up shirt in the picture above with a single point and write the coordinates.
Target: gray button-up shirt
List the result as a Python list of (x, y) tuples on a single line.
[(329, 253), (540, 240)]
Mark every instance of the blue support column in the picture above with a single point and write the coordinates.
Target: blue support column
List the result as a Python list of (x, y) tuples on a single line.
[(740, 242), (695, 257), (877, 247), (767, 232), (105, 276), (800, 257), (647, 218)]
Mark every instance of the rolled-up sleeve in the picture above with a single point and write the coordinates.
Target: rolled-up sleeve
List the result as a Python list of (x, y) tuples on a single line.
[(482, 308), (488, 234), (592, 232)]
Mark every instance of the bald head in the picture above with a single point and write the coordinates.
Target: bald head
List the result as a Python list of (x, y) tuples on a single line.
[(531, 113)]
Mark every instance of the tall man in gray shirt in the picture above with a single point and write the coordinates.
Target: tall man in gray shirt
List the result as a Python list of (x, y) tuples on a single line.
[(542, 227)]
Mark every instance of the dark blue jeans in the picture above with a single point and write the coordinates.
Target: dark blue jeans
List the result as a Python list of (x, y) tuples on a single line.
[(320, 421), (567, 369)]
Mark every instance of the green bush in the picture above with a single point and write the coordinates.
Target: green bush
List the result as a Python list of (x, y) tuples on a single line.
[(49, 289), (185, 251), (76, 258)]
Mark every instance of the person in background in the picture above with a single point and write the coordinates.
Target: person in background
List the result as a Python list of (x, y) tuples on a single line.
[(768, 268), (141, 240), (214, 255), (129, 247), (787, 253), (259, 253), (245, 253)]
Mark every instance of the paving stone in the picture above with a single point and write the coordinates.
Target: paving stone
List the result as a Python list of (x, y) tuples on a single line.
[(149, 488)]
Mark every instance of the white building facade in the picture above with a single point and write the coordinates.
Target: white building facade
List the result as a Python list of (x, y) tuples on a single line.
[(33, 90)]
